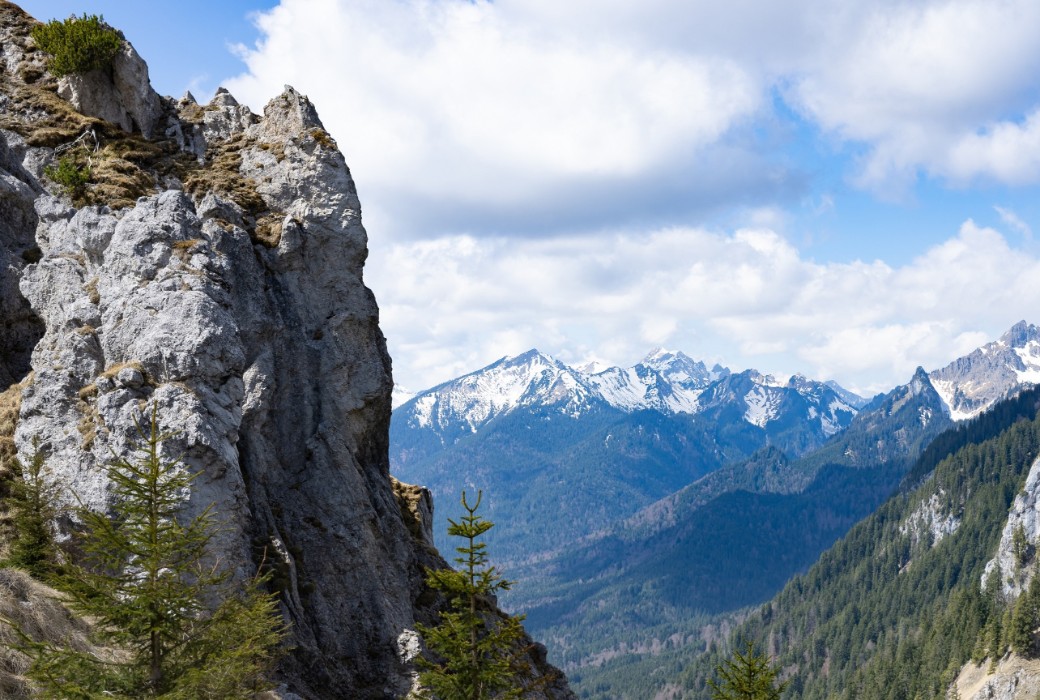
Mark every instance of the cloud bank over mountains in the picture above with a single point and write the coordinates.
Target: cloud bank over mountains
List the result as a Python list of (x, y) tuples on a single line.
[(747, 299), (544, 171)]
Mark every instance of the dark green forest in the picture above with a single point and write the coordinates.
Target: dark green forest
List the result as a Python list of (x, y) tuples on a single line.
[(892, 614)]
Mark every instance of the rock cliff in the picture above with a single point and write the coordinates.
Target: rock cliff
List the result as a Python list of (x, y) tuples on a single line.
[(213, 266)]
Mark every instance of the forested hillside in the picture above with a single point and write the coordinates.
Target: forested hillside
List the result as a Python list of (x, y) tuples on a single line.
[(896, 608)]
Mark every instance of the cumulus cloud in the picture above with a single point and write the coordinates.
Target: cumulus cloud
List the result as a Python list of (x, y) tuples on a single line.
[(480, 106), (478, 116), (538, 173), (746, 298), (929, 87)]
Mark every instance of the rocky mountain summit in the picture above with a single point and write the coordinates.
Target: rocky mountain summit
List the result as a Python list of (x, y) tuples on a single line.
[(971, 384), (213, 267)]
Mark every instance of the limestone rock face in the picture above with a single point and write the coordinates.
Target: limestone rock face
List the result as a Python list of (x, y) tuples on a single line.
[(269, 364), (1023, 524), (22, 328), (231, 298), (122, 95)]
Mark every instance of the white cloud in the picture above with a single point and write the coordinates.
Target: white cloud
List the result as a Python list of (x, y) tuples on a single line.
[(533, 171), (747, 299), (1005, 152), (929, 86), (480, 104), (493, 111)]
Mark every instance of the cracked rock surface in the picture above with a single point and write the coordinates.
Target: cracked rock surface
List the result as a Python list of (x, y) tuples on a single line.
[(230, 295)]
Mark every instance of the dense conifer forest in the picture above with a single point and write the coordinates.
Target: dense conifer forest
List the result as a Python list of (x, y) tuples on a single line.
[(893, 612)]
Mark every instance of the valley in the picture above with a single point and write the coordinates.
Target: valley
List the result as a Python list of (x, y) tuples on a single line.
[(634, 528)]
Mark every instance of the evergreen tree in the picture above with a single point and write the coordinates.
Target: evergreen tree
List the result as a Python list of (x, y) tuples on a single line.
[(477, 652), (747, 676), (33, 506), (145, 582)]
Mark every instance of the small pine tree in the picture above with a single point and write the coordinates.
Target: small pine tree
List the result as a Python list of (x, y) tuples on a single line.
[(477, 652), (72, 177), (748, 675), (145, 584), (33, 503), (1020, 546), (1020, 636)]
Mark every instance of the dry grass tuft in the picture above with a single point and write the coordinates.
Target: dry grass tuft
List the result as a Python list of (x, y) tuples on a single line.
[(35, 609), (10, 405), (221, 174), (182, 250), (268, 230), (112, 370), (92, 291), (275, 149), (323, 137)]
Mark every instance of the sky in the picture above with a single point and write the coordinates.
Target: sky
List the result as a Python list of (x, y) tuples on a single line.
[(847, 190)]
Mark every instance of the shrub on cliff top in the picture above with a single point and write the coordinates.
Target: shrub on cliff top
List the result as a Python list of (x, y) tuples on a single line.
[(78, 44)]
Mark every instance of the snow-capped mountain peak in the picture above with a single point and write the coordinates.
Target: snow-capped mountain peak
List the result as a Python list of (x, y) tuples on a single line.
[(666, 381), (971, 384), (499, 388)]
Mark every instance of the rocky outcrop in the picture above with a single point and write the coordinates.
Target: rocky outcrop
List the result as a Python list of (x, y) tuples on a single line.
[(121, 94), (1020, 538), (1014, 678), (997, 370), (228, 293)]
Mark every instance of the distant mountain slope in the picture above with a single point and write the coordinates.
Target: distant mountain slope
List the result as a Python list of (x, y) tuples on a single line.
[(895, 608), (664, 381), (562, 453), (729, 540), (621, 495), (896, 428)]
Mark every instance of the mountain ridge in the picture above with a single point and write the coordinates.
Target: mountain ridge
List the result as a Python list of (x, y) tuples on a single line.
[(665, 381)]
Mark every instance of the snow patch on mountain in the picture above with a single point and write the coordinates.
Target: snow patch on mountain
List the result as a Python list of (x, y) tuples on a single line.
[(762, 405), (400, 396), (833, 421), (971, 384), (665, 381), (1029, 355), (947, 390)]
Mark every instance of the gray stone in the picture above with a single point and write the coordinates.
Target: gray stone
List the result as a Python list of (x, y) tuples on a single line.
[(267, 363), (22, 326), (122, 95)]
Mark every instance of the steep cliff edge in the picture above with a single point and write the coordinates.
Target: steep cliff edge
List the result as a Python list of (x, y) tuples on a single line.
[(215, 269)]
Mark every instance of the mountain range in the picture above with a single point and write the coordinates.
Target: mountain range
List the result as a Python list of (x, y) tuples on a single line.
[(621, 494), (527, 428)]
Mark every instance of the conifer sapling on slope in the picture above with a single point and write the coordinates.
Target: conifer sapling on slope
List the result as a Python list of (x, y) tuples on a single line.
[(145, 581), (33, 503), (476, 651), (747, 676)]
